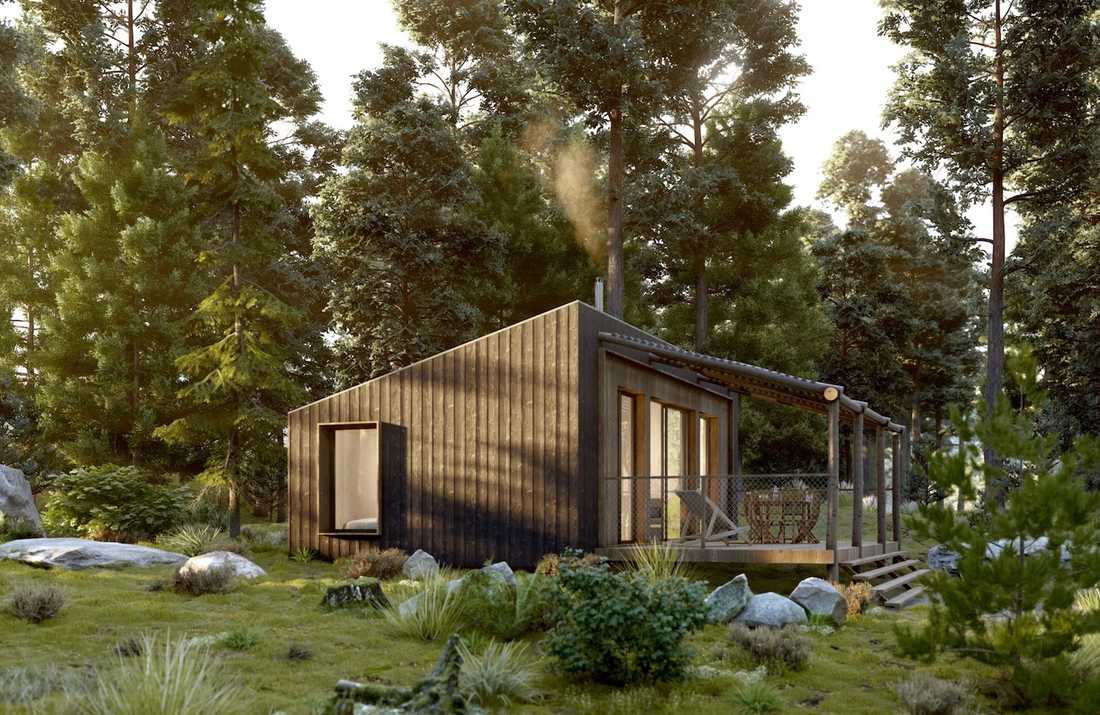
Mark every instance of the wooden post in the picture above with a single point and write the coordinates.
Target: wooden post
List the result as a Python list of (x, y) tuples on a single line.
[(880, 483), (834, 486), (857, 482), (899, 460), (735, 454)]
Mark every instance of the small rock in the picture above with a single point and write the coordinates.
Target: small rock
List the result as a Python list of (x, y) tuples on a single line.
[(361, 592), (773, 610), (79, 554), (16, 500), (502, 568), (942, 558), (820, 598), (420, 565), (241, 567), (728, 600)]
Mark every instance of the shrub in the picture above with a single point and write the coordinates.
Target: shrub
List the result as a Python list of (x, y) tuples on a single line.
[(112, 503), (502, 674), (757, 697), (217, 579), (299, 652), (550, 564), (438, 612), (534, 603), (194, 539), (264, 536), (241, 639), (778, 648), (488, 604), (36, 602), (378, 564), (23, 685), (173, 677), (656, 560), (622, 627), (857, 593), (924, 694), (13, 528)]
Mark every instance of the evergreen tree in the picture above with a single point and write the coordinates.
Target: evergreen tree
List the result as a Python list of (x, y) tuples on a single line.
[(1001, 96), (1012, 603), (238, 387)]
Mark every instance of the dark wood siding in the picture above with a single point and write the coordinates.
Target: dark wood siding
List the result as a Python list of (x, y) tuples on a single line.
[(489, 453)]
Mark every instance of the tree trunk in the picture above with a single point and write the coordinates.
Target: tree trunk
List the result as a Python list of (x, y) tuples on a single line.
[(914, 426), (615, 267), (995, 352), (702, 321)]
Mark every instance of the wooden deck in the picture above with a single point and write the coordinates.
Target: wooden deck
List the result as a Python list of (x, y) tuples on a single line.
[(737, 553)]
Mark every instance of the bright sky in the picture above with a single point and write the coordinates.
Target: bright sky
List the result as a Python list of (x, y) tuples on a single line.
[(851, 72)]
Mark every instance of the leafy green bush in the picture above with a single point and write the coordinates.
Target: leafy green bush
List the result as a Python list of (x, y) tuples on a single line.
[(34, 602), (924, 694), (623, 627), (488, 604), (175, 677), (757, 697), (112, 503), (778, 648), (241, 639), (501, 674), (195, 539), (1005, 570), (534, 603)]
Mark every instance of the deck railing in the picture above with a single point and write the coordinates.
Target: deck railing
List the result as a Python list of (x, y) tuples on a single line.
[(772, 509)]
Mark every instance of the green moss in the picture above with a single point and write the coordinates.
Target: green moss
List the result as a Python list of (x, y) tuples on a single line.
[(854, 670)]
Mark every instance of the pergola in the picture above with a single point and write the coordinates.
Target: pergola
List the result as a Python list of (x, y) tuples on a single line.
[(740, 378)]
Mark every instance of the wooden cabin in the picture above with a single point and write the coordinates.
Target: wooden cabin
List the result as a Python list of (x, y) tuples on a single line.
[(576, 429)]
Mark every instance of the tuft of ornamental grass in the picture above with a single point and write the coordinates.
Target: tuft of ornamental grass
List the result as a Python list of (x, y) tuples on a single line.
[(657, 561), (438, 612), (240, 639), (857, 593), (194, 582), (502, 674), (757, 697), (778, 648), (172, 677), (24, 685), (195, 539), (924, 694), (36, 602), (303, 555), (385, 564)]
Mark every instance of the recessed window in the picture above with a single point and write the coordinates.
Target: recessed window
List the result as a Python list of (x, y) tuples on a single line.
[(626, 467), (356, 487)]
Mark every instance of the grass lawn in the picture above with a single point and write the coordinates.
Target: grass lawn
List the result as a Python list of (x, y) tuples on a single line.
[(852, 671)]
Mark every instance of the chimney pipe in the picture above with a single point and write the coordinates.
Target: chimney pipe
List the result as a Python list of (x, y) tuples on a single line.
[(599, 294)]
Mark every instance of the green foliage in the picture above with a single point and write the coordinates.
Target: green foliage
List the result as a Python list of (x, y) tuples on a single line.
[(35, 602), (199, 582), (489, 603), (501, 674), (192, 539), (438, 612), (111, 503), (757, 697), (173, 677), (1023, 582), (778, 648), (622, 627), (535, 595), (25, 685), (657, 561), (12, 528), (241, 639), (303, 555)]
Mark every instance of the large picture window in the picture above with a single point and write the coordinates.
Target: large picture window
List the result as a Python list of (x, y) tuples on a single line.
[(626, 466)]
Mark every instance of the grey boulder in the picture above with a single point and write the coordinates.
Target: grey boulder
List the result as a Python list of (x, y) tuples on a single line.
[(772, 610), (502, 568), (16, 500), (728, 600), (820, 598), (942, 558), (420, 565), (239, 565), (78, 554)]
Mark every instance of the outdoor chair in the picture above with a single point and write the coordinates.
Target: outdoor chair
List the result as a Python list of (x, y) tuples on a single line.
[(714, 524)]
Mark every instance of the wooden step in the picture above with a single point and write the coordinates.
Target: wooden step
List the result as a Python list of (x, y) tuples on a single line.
[(884, 570), (904, 598), (871, 559), (898, 582)]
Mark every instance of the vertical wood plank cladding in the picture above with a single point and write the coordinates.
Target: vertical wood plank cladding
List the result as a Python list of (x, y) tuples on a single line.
[(553, 526), (311, 487), (293, 478), (439, 487), (573, 536), (468, 463), (496, 434), (534, 485), (513, 472), (417, 392)]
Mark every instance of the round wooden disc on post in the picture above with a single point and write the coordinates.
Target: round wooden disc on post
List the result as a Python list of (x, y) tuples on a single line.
[(831, 393)]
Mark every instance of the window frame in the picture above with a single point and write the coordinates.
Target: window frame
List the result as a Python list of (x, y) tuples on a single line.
[(327, 453)]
